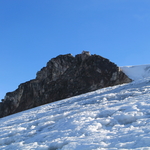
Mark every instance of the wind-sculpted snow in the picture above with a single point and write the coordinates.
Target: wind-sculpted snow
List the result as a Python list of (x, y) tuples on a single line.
[(137, 72), (111, 118)]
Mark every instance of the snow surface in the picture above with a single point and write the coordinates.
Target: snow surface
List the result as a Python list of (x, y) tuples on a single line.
[(111, 118), (137, 72)]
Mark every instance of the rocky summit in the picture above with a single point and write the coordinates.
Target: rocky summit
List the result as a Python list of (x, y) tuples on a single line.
[(63, 77)]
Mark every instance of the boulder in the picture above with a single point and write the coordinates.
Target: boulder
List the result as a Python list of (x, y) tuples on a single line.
[(63, 77)]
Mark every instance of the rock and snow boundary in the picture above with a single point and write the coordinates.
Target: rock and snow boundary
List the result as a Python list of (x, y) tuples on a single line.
[(111, 118)]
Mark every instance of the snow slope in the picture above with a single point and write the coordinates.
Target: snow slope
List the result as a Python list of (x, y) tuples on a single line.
[(111, 118), (137, 72)]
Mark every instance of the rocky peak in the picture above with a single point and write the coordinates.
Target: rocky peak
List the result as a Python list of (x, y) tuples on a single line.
[(84, 55), (63, 77), (55, 67)]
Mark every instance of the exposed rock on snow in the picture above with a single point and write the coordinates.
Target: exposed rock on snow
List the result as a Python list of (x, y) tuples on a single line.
[(64, 76)]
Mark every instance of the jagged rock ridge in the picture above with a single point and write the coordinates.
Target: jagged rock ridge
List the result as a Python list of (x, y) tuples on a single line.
[(63, 77)]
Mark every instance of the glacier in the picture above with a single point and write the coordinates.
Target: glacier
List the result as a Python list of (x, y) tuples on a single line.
[(111, 118)]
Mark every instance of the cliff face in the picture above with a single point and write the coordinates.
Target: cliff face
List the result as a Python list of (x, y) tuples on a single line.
[(63, 77)]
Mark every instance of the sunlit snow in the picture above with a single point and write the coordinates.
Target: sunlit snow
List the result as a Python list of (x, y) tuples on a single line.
[(111, 118)]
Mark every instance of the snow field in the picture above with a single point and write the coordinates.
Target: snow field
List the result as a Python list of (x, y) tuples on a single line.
[(111, 118)]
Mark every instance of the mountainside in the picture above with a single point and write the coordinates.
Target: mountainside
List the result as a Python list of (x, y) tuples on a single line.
[(111, 118), (64, 76)]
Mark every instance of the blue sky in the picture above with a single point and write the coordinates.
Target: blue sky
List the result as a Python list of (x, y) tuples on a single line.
[(34, 31)]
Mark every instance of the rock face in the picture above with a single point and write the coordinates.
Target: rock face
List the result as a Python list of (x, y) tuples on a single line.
[(63, 77)]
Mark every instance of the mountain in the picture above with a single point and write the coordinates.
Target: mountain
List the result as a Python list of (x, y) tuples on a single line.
[(64, 76), (112, 118)]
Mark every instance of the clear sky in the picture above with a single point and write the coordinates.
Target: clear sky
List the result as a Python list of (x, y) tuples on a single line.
[(34, 31)]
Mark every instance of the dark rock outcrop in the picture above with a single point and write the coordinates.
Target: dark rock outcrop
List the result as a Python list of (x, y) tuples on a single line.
[(63, 77)]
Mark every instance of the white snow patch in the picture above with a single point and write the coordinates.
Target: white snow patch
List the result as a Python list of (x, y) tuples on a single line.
[(137, 72)]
